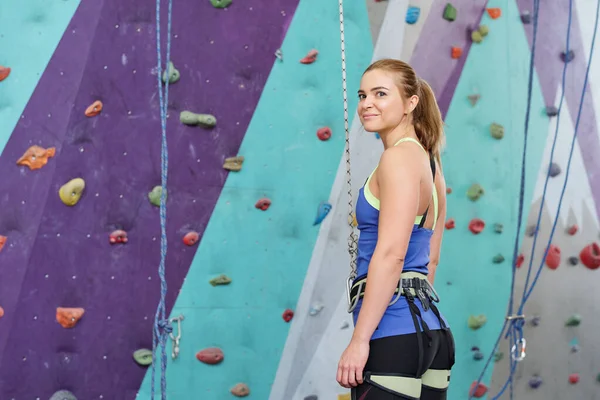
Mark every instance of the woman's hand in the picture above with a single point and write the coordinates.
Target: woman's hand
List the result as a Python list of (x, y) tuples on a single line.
[(352, 363)]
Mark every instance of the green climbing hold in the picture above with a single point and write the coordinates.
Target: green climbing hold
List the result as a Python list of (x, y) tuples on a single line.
[(498, 258), (476, 321), (172, 73), (190, 118), (220, 3), (143, 357), (63, 395), (473, 99), (497, 131), (449, 12), (483, 30), (155, 194), (498, 228), (574, 320), (498, 356), (476, 37), (475, 192), (220, 280)]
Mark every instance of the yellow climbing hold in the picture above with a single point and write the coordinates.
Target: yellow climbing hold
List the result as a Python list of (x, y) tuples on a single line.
[(71, 192), (345, 396)]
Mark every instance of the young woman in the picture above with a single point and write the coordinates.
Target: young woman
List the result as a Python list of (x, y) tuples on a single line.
[(402, 347)]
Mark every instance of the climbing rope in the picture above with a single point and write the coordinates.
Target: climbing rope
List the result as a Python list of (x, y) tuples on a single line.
[(516, 322), (352, 238), (162, 326)]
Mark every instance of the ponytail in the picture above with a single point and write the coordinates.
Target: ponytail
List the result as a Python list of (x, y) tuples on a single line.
[(427, 119)]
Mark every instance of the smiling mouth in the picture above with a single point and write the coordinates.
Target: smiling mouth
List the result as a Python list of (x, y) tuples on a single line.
[(369, 115)]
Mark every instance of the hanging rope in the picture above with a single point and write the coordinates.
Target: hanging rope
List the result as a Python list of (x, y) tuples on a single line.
[(516, 325), (162, 326)]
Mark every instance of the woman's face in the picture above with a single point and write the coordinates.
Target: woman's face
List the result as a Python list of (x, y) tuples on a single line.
[(381, 107)]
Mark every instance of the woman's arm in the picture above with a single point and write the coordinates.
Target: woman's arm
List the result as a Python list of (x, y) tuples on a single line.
[(399, 187), (436, 239)]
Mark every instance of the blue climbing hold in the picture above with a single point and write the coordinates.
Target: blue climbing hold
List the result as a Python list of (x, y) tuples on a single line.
[(412, 14), (322, 212), (377, 136)]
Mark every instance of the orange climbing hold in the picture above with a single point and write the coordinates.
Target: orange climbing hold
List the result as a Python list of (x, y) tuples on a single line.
[(4, 72), (94, 109), (450, 224), (553, 257), (573, 229), (478, 390), (35, 157), (2, 241), (68, 317), (476, 226), (211, 355), (590, 256), (494, 13), (191, 238), (456, 52), (263, 204), (311, 57), (1, 312)]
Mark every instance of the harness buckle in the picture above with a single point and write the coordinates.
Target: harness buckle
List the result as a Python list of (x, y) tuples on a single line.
[(519, 348)]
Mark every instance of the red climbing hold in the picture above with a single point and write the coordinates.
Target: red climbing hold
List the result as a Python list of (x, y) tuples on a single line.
[(456, 52), (494, 13), (573, 379), (263, 204), (211, 355), (324, 133), (118, 236), (553, 257), (288, 315), (4, 73), (191, 238), (478, 390), (448, 190), (476, 225), (2, 241), (450, 224), (310, 58), (590, 256), (520, 259), (573, 229)]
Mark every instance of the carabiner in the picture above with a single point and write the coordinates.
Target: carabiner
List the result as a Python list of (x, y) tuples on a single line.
[(521, 343)]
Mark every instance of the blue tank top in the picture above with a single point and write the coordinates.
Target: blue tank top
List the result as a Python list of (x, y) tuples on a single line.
[(397, 319)]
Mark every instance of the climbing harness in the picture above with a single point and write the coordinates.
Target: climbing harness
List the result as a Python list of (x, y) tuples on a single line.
[(517, 321), (162, 326), (176, 339)]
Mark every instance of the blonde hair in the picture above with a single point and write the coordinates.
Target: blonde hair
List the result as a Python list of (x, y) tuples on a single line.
[(427, 118)]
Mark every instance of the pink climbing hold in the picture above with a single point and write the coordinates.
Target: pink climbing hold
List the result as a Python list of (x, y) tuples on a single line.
[(553, 257), (573, 229), (573, 379), (478, 390), (118, 236), (191, 238), (590, 256), (476, 226), (263, 204), (310, 57), (450, 224), (288, 315), (324, 133), (211, 355)]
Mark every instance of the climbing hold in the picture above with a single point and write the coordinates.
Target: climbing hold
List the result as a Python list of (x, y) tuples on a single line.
[(324, 133), (240, 390), (476, 226), (450, 224), (354, 220), (526, 17), (476, 321), (71, 192), (478, 390), (171, 73), (345, 325), (574, 320), (143, 357), (573, 260), (498, 228), (476, 37), (35, 157), (497, 131), (498, 356), (220, 280), (311, 397), (475, 192), (233, 163), (554, 170), (573, 229), (477, 356), (551, 111), (535, 320), (2, 241), (573, 379), (191, 238), (263, 204), (473, 99), (118, 236), (553, 257), (94, 109), (279, 54), (68, 317), (449, 12), (456, 52), (574, 344), (1, 312), (520, 259), (155, 194), (475, 348), (448, 190), (412, 15), (210, 355), (192, 119), (498, 259), (494, 13), (322, 212), (4, 72), (220, 3), (483, 30), (310, 57), (315, 309), (590, 256), (63, 395), (531, 230), (567, 56), (288, 315), (535, 382), (344, 396)]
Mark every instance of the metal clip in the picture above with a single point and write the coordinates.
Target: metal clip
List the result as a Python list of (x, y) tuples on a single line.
[(520, 346), (177, 338)]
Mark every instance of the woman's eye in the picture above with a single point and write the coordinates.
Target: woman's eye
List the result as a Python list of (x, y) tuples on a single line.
[(380, 93)]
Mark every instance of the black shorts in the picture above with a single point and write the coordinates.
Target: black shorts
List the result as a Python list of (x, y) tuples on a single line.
[(399, 355)]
